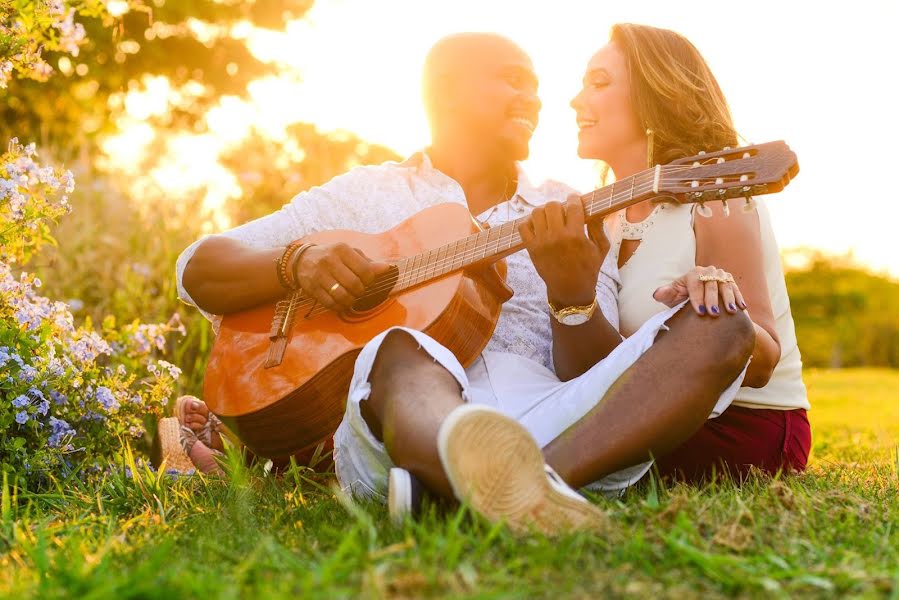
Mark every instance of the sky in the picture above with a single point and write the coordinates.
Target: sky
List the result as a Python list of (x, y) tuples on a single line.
[(822, 76)]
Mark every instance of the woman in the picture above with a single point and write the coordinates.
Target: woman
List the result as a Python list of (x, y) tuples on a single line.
[(649, 98)]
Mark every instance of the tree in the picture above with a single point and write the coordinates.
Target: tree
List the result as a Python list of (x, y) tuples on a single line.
[(114, 46), (844, 315)]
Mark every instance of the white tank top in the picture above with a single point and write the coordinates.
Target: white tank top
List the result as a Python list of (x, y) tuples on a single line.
[(667, 251)]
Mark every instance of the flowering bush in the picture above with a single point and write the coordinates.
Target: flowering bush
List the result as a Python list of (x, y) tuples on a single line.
[(68, 395)]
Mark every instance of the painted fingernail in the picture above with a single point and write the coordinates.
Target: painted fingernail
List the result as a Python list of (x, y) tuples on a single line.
[(715, 310), (743, 304), (732, 307), (702, 309)]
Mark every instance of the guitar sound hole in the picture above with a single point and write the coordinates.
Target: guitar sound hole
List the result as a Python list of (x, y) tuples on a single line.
[(378, 291)]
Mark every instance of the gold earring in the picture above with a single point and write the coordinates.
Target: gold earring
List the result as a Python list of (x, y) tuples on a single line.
[(650, 139)]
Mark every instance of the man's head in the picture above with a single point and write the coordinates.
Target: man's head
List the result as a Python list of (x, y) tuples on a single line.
[(481, 87)]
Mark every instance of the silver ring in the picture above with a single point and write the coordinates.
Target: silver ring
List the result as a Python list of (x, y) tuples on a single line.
[(334, 287)]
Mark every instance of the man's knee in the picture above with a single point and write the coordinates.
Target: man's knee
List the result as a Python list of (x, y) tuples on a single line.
[(398, 350), (736, 335), (729, 339)]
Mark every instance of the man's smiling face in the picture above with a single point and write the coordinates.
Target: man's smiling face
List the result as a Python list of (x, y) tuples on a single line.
[(491, 93)]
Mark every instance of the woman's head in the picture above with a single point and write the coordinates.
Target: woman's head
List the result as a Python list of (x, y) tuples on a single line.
[(649, 78)]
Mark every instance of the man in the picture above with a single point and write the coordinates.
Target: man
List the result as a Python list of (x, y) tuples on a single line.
[(476, 434)]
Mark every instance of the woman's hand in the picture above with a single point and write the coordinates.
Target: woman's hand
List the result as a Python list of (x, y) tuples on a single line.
[(566, 259), (708, 288)]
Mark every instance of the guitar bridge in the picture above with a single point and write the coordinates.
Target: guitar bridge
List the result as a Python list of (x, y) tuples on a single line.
[(280, 331)]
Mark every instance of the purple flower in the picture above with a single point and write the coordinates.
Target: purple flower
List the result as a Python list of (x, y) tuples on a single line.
[(27, 374), (106, 399), (44, 407), (61, 431), (21, 417), (58, 399), (21, 401)]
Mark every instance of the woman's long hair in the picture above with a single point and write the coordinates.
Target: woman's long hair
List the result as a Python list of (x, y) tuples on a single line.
[(674, 93)]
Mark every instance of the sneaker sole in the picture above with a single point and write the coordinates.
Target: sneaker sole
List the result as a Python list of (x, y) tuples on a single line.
[(399, 496), (494, 464)]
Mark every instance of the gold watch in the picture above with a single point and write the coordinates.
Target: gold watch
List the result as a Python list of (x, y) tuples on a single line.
[(573, 315)]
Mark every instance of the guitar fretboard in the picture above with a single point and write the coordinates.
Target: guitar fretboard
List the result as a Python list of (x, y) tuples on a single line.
[(496, 242)]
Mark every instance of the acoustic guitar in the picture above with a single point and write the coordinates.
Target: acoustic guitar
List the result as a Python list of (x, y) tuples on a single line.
[(279, 373)]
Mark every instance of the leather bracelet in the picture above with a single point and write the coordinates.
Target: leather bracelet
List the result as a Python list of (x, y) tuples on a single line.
[(281, 264)]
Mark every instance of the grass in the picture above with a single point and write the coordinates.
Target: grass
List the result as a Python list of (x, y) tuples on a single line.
[(832, 532)]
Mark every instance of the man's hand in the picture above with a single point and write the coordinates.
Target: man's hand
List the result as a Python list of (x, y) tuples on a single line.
[(566, 259), (336, 275), (707, 297)]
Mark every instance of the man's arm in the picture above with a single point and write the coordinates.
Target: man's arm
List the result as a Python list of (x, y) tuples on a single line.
[(225, 276), (569, 263)]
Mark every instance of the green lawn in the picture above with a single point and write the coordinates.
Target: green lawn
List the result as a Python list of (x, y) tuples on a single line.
[(832, 532)]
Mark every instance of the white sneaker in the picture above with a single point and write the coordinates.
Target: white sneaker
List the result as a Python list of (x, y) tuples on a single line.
[(494, 464), (404, 495)]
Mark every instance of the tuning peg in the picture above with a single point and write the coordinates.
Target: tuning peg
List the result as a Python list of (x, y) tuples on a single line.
[(725, 208), (746, 155), (720, 160), (750, 204), (701, 152), (704, 210), (696, 163), (725, 149)]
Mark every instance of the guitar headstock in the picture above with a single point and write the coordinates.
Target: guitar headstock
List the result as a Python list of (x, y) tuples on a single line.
[(730, 173)]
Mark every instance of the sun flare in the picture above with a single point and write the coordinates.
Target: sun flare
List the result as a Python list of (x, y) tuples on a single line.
[(355, 65)]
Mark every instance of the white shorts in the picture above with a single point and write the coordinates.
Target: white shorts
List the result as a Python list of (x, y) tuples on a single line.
[(517, 386)]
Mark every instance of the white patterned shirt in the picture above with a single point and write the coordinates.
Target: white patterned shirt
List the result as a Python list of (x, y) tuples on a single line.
[(375, 198)]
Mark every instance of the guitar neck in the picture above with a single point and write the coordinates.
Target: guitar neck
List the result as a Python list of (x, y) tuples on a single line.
[(492, 244)]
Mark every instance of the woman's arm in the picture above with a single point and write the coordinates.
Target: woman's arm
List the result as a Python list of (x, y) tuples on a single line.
[(734, 243)]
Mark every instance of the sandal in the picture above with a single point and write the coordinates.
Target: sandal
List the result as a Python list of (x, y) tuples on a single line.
[(213, 424), (200, 455), (170, 447)]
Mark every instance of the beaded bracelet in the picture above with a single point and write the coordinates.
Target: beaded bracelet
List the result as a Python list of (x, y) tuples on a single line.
[(281, 264)]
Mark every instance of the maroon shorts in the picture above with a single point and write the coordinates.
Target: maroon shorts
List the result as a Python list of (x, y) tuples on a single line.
[(772, 440)]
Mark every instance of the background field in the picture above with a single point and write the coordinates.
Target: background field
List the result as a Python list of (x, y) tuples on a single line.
[(831, 532)]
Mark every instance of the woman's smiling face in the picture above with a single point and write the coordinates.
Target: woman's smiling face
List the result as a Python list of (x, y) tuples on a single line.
[(606, 118)]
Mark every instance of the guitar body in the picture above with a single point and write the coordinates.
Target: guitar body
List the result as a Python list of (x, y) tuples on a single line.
[(286, 410)]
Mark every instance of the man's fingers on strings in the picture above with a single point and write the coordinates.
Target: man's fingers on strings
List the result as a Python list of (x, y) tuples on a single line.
[(555, 216), (364, 267), (597, 235), (348, 280), (538, 221), (323, 298), (574, 214), (526, 231)]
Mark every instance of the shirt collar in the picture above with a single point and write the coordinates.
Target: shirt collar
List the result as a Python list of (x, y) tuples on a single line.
[(525, 191)]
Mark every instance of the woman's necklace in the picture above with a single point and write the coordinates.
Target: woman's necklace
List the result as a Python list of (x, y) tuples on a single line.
[(635, 231)]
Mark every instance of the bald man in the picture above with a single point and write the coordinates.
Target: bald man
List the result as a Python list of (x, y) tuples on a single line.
[(548, 389)]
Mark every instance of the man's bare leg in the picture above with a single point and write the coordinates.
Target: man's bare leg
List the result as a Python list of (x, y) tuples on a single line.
[(493, 460), (411, 395), (660, 401)]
